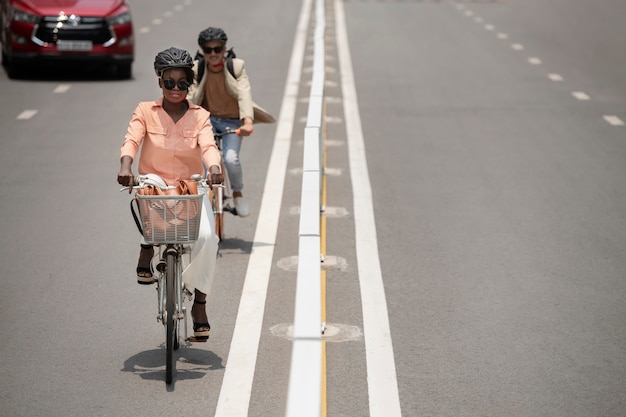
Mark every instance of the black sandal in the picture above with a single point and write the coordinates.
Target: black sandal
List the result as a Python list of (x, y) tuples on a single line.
[(144, 274), (200, 330)]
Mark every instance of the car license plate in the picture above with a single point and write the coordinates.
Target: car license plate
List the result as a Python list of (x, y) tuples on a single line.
[(74, 45)]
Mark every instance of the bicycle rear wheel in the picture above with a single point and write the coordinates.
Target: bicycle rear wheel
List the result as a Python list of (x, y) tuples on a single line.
[(171, 333)]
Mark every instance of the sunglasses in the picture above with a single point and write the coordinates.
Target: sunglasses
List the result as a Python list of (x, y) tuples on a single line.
[(183, 85), (207, 49)]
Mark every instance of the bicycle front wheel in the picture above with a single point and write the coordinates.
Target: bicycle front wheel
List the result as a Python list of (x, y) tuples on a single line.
[(172, 320)]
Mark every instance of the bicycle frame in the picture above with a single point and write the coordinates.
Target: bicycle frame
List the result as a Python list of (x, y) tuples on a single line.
[(171, 292), (174, 252)]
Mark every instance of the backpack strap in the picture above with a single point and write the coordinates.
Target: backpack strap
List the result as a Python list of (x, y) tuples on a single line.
[(201, 68), (230, 67)]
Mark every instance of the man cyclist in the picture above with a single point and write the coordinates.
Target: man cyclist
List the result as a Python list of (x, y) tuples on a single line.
[(223, 89)]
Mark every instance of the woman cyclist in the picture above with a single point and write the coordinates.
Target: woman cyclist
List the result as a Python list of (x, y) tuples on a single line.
[(175, 137)]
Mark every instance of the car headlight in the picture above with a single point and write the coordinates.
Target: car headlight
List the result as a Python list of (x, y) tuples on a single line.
[(22, 16), (119, 19)]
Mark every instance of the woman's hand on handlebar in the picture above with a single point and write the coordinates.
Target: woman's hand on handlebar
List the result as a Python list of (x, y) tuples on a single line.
[(125, 176), (215, 175)]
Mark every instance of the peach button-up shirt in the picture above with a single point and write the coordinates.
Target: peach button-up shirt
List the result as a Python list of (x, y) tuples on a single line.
[(174, 151)]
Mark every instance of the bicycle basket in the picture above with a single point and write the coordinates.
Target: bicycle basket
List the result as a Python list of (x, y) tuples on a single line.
[(170, 219)]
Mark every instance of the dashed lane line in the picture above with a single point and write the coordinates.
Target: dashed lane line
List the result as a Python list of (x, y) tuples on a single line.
[(613, 120), (62, 88), (579, 95), (27, 114)]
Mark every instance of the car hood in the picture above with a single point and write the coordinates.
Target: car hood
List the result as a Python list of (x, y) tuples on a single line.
[(79, 7)]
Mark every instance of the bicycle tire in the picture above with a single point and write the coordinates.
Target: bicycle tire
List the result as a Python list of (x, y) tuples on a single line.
[(170, 306)]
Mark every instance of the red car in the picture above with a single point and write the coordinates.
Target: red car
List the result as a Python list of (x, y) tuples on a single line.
[(67, 30)]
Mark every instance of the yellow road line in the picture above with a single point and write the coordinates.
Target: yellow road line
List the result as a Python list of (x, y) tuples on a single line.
[(323, 253)]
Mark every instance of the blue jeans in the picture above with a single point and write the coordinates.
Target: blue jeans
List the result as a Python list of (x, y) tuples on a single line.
[(231, 144)]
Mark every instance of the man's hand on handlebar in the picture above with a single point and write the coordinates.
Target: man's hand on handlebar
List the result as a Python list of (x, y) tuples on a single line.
[(247, 128), (215, 175)]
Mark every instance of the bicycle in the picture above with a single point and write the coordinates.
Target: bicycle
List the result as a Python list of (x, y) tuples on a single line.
[(172, 223), (223, 200)]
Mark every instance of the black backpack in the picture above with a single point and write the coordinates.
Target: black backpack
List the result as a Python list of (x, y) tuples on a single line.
[(230, 54)]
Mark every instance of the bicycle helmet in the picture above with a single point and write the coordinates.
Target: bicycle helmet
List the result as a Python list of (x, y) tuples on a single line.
[(212, 34), (174, 58)]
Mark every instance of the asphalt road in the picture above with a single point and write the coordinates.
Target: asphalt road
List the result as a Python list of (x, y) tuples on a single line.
[(497, 183)]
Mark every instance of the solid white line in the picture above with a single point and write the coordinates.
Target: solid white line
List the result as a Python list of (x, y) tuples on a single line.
[(234, 399), (382, 383), (62, 88), (580, 95), (26, 114), (613, 120)]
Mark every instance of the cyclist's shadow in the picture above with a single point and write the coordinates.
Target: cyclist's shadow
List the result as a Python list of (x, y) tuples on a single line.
[(190, 363)]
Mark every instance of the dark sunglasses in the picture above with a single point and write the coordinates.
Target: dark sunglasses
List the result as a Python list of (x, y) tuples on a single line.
[(208, 49), (183, 85)]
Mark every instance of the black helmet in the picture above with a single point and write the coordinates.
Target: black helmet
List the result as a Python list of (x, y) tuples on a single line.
[(173, 58), (212, 34)]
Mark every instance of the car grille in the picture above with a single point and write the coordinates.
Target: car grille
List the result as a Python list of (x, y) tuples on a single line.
[(93, 29)]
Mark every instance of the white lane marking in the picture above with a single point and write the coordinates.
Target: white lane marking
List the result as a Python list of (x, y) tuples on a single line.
[(580, 95), (534, 60), (469, 13), (613, 120), (234, 398), (26, 114), (555, 77), (168, 13), (62, 88), (489, 27), (157, 21), (178, 8), (382, 382), (502, 35), (144, 30), (478, 20), (517, 46)]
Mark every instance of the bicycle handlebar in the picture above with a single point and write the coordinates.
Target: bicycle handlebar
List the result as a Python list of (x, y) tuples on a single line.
[(140, 182), (226, 132)]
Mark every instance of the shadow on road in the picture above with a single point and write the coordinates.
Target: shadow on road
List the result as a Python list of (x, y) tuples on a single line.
[(63, 72), (191, 363)]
